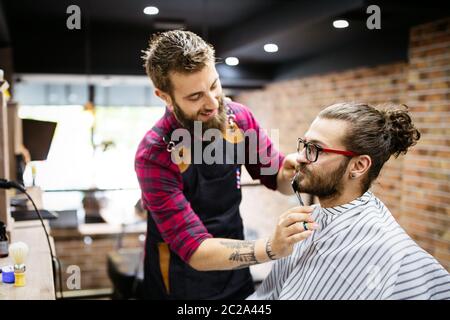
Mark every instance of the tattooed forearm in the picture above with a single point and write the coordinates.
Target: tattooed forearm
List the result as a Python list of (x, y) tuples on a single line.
[(242, 257), (243, 253)]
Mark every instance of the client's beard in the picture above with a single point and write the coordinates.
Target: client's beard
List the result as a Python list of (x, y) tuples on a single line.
[(218, 121), (322, 185)]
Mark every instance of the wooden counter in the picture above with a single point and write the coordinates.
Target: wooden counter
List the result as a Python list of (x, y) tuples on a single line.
[(39, 274)]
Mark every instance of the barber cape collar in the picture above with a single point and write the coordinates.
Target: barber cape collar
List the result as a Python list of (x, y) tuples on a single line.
[(337, 210), (338, 218)]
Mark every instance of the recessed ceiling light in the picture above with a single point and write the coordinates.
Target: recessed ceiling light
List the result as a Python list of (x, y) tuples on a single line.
[(270, 47), (232, 61), (151, 10), (339, 24)]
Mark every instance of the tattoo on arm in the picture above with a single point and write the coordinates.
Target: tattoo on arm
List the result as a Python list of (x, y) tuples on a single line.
[(243, 253)]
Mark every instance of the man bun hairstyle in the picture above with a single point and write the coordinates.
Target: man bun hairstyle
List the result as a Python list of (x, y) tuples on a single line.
[(400, 130), (378, 132)]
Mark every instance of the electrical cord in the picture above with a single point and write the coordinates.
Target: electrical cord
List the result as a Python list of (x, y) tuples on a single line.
[(52, 254), (5, 184)]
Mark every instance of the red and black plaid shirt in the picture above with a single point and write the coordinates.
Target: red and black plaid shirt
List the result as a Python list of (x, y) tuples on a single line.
[(162, 184)]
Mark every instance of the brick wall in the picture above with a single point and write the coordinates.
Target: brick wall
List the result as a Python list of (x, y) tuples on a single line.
[(415, 187), (426, 174), (290, 107)]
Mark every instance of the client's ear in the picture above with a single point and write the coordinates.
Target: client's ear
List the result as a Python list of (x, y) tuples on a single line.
[(360, 165)]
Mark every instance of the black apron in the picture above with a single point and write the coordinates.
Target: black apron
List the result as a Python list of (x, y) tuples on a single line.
[(214, 193)]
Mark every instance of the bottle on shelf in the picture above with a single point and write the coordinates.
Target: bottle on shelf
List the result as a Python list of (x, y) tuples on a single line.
[(4, 250)]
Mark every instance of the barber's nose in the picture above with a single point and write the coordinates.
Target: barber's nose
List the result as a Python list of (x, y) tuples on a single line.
[(211, 101)]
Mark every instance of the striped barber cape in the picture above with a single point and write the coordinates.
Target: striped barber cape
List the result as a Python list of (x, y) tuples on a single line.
[(359, 252)]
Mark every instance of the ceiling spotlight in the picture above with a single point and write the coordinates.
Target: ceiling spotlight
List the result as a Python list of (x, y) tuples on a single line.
[(151, 10), (339, 24), (270, 47), (232, 61)]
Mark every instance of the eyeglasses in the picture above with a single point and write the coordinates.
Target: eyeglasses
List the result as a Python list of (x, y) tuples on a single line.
[(313, 150)]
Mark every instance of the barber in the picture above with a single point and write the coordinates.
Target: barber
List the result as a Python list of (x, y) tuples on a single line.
[(195, 247)]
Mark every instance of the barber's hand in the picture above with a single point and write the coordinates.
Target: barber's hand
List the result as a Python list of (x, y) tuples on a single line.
[(289, 231), (289, 165)]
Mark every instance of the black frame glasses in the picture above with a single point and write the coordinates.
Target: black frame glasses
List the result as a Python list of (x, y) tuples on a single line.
[(313, 150)]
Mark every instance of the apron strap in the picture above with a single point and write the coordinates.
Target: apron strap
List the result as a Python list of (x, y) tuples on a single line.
[(164, 262)]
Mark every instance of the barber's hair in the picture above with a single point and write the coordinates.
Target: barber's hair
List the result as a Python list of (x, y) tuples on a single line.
[(378, 132), (175, 51)]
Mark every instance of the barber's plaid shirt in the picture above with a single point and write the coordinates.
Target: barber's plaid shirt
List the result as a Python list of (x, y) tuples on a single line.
[(162, 184)]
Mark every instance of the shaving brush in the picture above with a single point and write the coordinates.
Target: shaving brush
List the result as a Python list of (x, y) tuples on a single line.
[(19, 251)]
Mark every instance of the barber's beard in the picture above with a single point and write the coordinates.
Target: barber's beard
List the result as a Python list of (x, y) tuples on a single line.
[(218, 121), (323, 185)]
